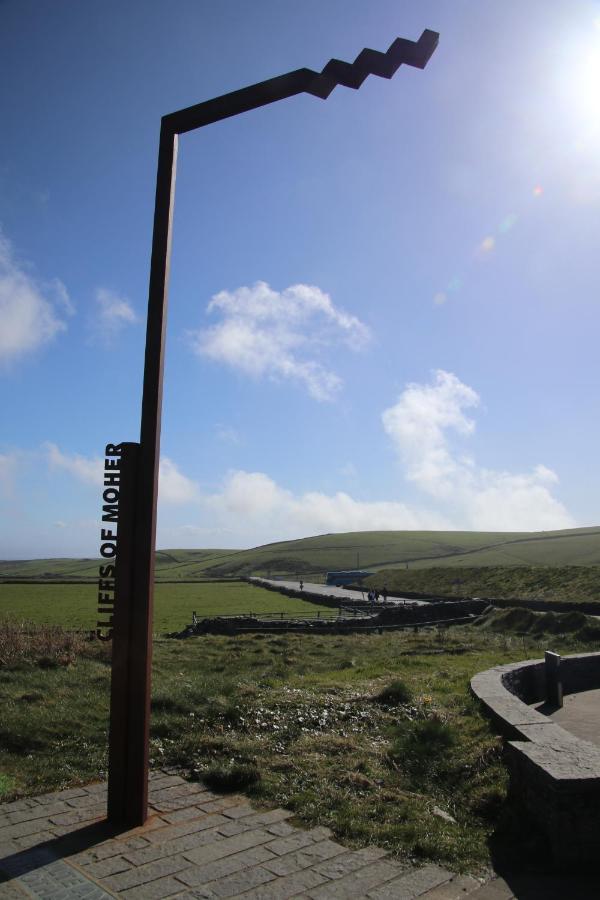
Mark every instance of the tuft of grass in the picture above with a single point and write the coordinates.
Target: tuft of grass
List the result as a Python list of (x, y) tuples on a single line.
[(8, 785), (231, 778), (488, 804), (167, 704), (524, 621), (590, 631), (422, 745), (396, 693)]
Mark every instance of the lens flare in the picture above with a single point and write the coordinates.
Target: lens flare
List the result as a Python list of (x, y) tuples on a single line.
[(507, 223)]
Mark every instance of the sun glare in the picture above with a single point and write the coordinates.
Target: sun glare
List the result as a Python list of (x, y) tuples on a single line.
[(582, 82)]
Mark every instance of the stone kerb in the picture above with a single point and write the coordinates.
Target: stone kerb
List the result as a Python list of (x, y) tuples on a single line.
[(554, 776)]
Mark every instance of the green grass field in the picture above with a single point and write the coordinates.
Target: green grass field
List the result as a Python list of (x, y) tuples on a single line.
[(74, 605)]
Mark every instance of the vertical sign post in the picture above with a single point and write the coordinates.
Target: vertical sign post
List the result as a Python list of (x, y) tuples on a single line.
[(126, 741), (130, 717)]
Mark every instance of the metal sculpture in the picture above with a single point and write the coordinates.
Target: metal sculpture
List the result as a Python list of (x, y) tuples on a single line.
[(133, 603)]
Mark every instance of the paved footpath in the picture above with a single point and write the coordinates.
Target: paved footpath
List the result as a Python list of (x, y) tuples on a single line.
[(197, 844), (330, 590)]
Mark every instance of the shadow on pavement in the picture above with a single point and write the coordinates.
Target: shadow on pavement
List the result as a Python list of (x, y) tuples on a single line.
[(23, 861)]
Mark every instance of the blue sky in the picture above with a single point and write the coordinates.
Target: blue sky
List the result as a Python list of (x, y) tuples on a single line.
[(383, 306)]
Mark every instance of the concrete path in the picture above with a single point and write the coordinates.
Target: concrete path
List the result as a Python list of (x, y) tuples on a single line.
[(343, 593), (197, 844), (580, 714)]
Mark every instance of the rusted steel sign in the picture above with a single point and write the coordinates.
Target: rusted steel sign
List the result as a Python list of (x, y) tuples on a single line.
[(130, 610), (108, 541)]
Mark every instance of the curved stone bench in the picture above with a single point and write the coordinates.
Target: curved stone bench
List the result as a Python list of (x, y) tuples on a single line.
[(554, 776)]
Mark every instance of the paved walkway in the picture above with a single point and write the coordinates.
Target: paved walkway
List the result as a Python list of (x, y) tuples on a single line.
[(580, 714), (330, 590), (197, 844)]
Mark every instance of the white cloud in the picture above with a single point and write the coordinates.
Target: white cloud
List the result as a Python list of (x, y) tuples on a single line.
[(173, 486), (28, 317), (251, 508), (89, 470), (113, 313), (254, 508), (250, 494), (276, 334), (420, 425)]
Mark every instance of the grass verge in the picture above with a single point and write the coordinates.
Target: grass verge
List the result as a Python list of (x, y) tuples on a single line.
[(298, 721)]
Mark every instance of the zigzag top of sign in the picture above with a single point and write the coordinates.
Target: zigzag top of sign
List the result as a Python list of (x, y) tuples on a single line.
[(373, 62)]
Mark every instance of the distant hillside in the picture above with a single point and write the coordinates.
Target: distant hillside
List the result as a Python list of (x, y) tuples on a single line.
[(171, 565), (374, 550), (377, 550), (573, 584)]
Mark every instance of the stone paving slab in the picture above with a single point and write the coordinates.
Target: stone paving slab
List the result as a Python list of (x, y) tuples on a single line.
[(411, 884), (54, 880), (457, 887), (12, 892), (197, 844)]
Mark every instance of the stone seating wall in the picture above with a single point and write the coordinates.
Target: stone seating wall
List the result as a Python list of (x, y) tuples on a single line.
[(554, 776)]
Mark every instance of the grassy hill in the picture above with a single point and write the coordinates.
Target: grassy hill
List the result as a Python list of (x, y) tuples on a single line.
[(374, 550), (385, 549), (573, 584), (171, 565)]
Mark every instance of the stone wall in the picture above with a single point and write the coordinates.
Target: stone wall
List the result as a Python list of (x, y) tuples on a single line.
[(554, 776), (386, 615), (381, 620)]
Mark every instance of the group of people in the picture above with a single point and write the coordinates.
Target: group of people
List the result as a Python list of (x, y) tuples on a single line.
[(374, 596)]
